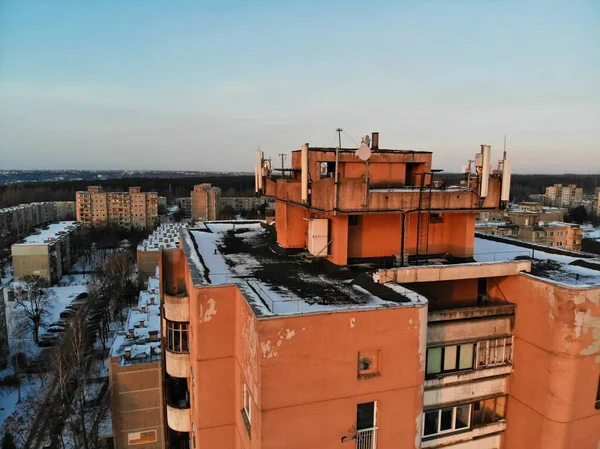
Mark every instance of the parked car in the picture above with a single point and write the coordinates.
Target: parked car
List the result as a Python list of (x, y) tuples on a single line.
[(56, 329)]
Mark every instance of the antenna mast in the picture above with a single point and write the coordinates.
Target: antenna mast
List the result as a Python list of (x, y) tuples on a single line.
[(283, 157)]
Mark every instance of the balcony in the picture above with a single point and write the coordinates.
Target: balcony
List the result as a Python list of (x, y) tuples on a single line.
[(178, 404), (366, 438), (177, 308), (177, 364)]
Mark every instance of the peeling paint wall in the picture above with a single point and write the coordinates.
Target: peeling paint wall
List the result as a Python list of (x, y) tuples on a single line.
[(556, 364)]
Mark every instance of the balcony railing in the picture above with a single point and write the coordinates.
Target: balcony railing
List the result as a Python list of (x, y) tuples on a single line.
[(366, 438)]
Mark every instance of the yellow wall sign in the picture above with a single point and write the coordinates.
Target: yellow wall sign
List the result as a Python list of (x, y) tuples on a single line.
[(149, 436)]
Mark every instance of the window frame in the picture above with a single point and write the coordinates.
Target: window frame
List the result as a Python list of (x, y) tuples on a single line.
[(177, 332), (456, 359), (495, 399), (453, 429)]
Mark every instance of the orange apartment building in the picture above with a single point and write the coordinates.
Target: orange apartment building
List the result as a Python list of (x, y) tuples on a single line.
[(133, 209), (366, 318), (205, 204)]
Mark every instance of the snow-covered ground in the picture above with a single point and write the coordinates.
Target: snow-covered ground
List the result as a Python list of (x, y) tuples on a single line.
[(590, 232)]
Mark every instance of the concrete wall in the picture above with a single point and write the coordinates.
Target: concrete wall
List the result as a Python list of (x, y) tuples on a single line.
[(137, 403), (557, 364), (301, 372)]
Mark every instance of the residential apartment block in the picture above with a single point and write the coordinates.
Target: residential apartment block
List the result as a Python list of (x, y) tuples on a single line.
[(185, 205), (351, 322), (18, 221), (136, 376), (246, 203), (206, 201), (49, 252), (563, 196), (133, 209)]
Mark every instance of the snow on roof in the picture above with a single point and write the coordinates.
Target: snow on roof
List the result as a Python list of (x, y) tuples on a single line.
[(50, 234), (166, 236), (241, 253), (566, 269), (141, 337)]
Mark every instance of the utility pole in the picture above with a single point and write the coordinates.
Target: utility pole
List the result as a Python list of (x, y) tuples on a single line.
[(283, 157), (339, 132)]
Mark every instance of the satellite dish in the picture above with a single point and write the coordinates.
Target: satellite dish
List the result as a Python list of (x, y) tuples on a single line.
[(363, 152)]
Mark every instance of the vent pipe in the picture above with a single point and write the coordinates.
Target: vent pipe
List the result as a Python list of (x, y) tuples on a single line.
[(506, 175), (485, 170), (375, 141), (259, 170), (304, 172)]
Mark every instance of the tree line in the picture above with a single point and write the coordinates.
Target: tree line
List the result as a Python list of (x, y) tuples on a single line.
[(20, 193)]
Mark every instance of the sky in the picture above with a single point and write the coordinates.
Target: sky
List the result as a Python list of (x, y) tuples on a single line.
[(200, 85)]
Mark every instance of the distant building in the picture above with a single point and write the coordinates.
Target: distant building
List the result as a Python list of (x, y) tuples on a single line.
[(563, 196), (206, 201), (18, 221), (136, 376), (49, 252), (246, 203), (65, 210), (166, 236), (185, 205), (133, 209), (162, 202), (596, 201)]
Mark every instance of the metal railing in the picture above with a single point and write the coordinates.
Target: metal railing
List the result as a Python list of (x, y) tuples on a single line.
[(366, 438)]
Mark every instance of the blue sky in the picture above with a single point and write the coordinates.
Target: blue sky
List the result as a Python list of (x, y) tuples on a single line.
[(199, 85)]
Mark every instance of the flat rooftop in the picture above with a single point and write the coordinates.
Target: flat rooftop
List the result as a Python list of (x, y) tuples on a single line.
[(374, 150), (52, 231), (276, 282), (568, 267), (164, 237), (136, 339)]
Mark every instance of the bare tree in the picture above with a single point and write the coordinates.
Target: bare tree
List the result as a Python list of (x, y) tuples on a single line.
[(34, 299), (119, 270)]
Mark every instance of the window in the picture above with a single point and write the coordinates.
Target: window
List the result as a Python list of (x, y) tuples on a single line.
[(446, 420), (326, 169), (352, 220), (366, 428), (487, 411), (446, 359), (368, 364), (494, 352), (247, 409), (177, 337), (598, 395)]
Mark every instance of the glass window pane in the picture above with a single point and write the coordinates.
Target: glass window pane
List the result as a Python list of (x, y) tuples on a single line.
[(434, 360), (477, 413), (430, 426), (488, 411), (446, 421), (466, 356), (462, 416), (501, 407), (449, 358)]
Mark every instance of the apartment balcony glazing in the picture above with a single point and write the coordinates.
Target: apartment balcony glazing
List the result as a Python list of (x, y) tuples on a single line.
[(178, 440), (177, 356)]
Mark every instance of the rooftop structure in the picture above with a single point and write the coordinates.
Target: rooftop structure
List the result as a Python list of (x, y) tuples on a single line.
[(338, 202), (49, 234)]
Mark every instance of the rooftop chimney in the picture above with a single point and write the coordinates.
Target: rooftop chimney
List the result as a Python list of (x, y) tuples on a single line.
[(375, 141)]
